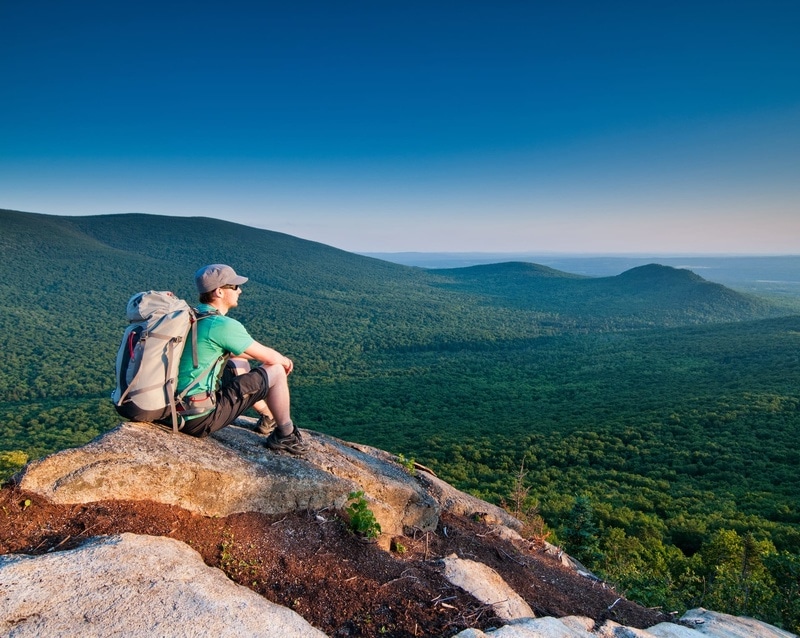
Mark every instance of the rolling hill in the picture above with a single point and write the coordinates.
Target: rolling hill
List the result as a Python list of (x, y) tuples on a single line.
[(67, 279), (653, 295)]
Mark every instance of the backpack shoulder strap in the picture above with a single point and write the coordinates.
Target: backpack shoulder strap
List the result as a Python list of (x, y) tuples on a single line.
[(197, 315), (203, 314)]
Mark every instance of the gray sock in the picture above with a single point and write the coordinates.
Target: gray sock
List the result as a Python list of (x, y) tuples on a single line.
[(285, 429)]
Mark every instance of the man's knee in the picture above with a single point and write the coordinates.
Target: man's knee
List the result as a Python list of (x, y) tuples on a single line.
[(276, 375)]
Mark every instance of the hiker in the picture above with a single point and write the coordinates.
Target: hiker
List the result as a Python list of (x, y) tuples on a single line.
[(219, 337)]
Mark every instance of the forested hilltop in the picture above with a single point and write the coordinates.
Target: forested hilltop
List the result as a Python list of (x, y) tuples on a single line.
[(648, 422)]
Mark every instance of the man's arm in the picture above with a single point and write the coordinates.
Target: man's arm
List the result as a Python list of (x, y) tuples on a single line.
[(268, 356)]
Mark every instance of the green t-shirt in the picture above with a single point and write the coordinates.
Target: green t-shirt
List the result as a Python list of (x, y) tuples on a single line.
[(217, 335)]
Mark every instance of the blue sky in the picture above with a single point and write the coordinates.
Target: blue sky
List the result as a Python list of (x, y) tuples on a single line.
[(602, 127)]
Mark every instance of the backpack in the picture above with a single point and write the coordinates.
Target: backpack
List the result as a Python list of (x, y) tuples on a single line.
[(148, 357)]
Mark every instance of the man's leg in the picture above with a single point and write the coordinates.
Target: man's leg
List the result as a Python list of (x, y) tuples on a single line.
[(236, 366), (285, 437), (237, 378), (278, 399), (233, 400), (265, 383)]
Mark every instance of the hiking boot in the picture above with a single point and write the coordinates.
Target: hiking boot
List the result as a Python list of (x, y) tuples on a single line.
[(292, 443), (265, 424)]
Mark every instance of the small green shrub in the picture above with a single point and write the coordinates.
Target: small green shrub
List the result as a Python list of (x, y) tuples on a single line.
[(409, 465), (10, 463), (361, 520)]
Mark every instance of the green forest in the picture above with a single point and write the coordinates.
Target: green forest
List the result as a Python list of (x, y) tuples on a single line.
[(647, 423)]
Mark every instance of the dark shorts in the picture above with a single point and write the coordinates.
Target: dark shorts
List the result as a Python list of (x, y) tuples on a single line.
[(234, 398)]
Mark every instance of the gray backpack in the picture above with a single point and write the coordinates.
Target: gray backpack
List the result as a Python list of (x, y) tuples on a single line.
[(148, 357)]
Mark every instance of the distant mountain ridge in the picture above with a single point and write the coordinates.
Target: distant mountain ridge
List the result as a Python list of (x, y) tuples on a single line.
[(298, 265), (506, 269), (325, 305), (650, 295), (175, 246), (656, 273)]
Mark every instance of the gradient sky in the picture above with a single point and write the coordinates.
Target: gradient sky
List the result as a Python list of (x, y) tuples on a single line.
[(584, 126)]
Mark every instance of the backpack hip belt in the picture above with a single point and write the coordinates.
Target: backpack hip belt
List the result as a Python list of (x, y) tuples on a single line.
[(199, 403)]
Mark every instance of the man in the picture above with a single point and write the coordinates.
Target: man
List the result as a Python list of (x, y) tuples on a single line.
[(209, 407)]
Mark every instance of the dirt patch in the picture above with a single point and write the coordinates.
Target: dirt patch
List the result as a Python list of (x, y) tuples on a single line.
[(311, 563)]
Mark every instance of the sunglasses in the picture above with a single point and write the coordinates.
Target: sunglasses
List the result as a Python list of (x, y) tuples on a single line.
[(230, 286)]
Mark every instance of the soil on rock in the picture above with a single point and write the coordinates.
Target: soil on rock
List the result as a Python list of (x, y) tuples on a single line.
[(311, 563)]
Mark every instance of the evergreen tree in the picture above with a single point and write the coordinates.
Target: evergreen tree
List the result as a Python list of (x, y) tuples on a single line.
[(580, 532)]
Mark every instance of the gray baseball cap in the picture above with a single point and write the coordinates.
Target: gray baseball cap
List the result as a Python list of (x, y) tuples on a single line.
[(215, 276)]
